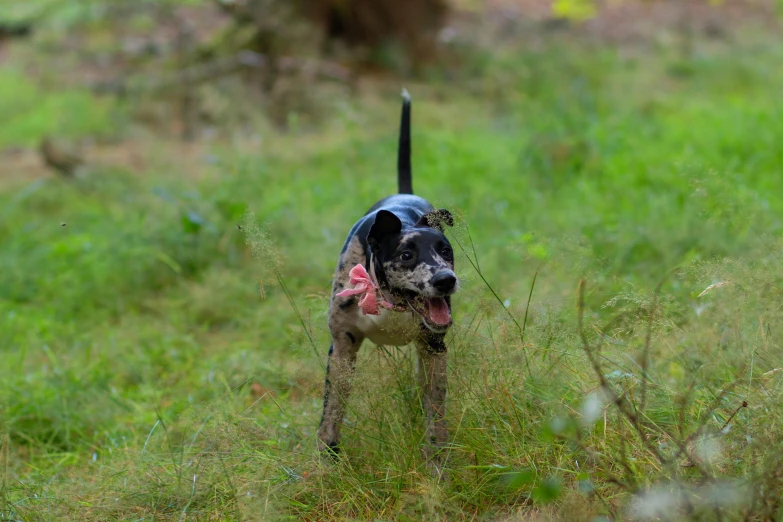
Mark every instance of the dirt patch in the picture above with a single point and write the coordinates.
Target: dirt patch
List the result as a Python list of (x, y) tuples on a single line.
[(628, 21), (193, 160)]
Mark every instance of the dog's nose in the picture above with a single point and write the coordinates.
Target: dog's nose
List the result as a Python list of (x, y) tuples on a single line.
[(444, 282)]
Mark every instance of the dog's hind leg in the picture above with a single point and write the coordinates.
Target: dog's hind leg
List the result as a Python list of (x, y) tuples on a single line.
[(432, 376), (337, 386)]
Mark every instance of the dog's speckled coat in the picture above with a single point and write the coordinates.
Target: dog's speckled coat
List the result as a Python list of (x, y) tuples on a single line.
[(401, 238)]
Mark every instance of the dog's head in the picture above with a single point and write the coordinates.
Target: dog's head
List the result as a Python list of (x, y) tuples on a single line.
[(417, 263)]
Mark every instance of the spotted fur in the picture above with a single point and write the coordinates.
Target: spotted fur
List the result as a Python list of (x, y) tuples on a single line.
[(401, 239), (427, 247)]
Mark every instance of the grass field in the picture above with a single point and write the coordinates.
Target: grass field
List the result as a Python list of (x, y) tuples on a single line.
[(153, 368)]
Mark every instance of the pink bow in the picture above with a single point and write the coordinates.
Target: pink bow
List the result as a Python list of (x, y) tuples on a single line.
[(363, 284)]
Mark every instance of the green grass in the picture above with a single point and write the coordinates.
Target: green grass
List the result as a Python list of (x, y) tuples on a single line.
[(29, 112), (146, 377)]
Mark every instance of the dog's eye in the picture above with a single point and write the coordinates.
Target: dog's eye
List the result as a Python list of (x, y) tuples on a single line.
[(446, 252), (406, 255)]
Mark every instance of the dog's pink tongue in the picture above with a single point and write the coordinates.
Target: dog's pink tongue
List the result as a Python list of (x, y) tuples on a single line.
[(439, 311)]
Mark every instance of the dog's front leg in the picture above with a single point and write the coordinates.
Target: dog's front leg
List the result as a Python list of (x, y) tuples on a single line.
[(337, 386), (432, 375)]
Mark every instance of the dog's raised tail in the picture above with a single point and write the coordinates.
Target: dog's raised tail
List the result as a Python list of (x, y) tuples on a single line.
[(404, 179)]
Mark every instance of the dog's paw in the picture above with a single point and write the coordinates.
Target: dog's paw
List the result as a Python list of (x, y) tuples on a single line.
[(437, 470), (329, 450), (436, 462)]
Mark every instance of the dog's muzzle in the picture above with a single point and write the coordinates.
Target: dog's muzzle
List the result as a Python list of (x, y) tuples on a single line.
[(435, 310), (444, 282)]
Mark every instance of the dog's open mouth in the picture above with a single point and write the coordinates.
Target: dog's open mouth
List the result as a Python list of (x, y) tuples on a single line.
[(434, 310)]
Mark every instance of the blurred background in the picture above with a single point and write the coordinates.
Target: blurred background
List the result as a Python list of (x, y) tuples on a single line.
[(105, 72), (177, 178)]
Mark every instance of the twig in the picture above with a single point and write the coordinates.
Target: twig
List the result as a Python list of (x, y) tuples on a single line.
[(708, 414), (743, 405), (626, 407)]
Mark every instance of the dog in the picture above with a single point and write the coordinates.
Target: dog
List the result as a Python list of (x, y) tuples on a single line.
[(393, 285)]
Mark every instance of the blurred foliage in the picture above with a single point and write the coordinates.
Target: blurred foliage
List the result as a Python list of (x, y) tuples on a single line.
[(574, 9), (29, 112)]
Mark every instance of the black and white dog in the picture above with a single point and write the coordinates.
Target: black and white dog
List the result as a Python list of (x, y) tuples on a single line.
[(393, 283)]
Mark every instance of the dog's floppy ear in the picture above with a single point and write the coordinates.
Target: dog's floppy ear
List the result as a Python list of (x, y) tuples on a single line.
[(436, 219), (386, 224)]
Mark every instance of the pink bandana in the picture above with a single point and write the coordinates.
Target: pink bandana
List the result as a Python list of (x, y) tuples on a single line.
[(363, 284)]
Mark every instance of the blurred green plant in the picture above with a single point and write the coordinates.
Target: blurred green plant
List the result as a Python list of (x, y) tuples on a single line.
[(29, 112), (574, 9)]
